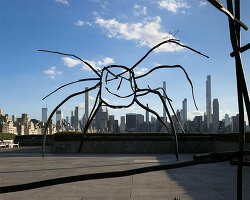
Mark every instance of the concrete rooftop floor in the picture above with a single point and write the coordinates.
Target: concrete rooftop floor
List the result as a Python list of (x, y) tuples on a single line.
[(201, 182)]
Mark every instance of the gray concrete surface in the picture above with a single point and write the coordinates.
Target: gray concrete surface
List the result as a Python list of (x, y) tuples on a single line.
[(201, 182)]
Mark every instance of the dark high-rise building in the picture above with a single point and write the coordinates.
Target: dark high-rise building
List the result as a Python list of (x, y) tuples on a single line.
[(101, 120), (72, 118), (14, 118), (235, 123), (123, 125), (116, 127), (208, 101), (59, 116), (198, 124), (76, 119), (147, 116), (215, 123), (184, 110), (131, 122), (111, 123), (227, 120), (139, 121)]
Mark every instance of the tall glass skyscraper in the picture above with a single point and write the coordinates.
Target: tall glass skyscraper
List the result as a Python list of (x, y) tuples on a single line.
[(87, 103), (184, 110), (215, 124), (208, 101), (44, 114), (59, 115)]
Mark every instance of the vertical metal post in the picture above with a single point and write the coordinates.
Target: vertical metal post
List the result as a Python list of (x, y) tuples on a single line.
[(241, 108), (235, 40)]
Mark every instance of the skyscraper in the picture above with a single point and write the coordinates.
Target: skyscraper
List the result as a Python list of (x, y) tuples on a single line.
[(139, 121), (72, 118), (14, 118), (147, 116), (131, 122), (59, 116), (208, 101), (101, 119), (184, 110), (87, 103), (111, 123), (164, 110), (76, 118), (44, 114), (215, 124), (123, 125), (227, 120)]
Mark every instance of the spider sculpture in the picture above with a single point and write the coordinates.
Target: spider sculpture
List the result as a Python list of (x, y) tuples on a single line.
[(124, 77)]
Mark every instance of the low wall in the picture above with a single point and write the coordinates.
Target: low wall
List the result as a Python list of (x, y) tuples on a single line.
[(144, 146)]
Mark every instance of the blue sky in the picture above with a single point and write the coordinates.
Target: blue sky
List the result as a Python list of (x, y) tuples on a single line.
[(114, 32)]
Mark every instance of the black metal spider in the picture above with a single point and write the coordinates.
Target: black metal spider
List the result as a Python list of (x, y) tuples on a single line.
[(108, 75)]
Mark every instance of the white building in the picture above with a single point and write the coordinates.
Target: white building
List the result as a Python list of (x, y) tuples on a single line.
[(8, 127)]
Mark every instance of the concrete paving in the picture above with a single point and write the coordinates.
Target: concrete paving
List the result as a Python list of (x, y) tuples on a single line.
[(201, 182)]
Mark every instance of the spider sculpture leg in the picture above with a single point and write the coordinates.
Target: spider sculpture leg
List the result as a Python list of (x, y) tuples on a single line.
[(81, 80), (58, 106), (90, 119), (173, 132), (169, 102), (172, 66)]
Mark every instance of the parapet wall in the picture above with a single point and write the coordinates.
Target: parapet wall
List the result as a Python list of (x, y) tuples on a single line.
[(144, 146), (136, 143)]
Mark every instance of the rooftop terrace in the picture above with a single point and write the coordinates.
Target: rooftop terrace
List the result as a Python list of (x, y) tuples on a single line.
[(206, 181)]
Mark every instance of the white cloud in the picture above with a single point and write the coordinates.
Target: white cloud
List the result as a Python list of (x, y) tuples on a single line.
[(147, 33), (63, 2), (91, 98), (139, 10), (81, 105), (88, 23), (49, 71), (136, 6), (70, 62), (134, 108), (203, 3), (106, 61), (173, 5), (81, 23), (192, 114), (141, 71), (92, 63), (106, 100), (52, 72)]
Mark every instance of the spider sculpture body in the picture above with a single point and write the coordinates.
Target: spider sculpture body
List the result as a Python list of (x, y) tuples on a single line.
[(123, 77)]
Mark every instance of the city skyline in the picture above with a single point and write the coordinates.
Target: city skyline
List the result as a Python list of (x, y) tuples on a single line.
[(92, 32), (183, 111)]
